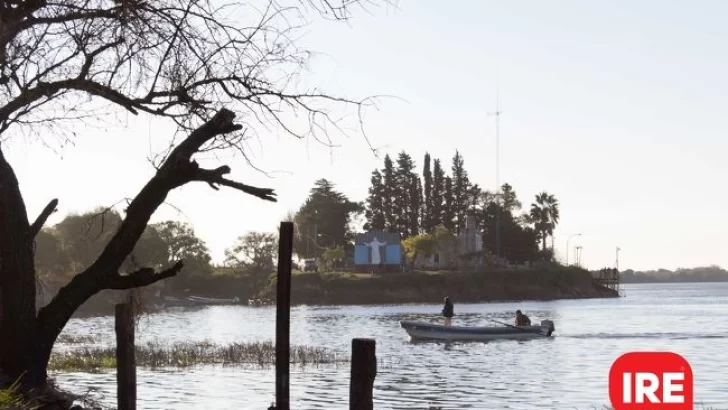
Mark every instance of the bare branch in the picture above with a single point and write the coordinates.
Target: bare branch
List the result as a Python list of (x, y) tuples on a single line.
[(42, 218), (215, 177), (142, 277)]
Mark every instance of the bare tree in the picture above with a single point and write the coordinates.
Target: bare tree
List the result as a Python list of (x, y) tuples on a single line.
[(194, 62)]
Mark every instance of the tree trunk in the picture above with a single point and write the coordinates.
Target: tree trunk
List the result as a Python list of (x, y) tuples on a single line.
[(26, 336), (18, 325)]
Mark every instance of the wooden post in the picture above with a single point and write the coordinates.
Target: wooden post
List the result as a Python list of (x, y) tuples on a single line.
[(125, 359), (363, 372), (283, 316)]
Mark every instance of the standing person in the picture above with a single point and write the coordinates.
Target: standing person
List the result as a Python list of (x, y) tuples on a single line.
[(448, 311)]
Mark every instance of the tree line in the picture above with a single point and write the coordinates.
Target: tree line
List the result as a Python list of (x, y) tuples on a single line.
[(62, 250), (401, 200), (711, 273)]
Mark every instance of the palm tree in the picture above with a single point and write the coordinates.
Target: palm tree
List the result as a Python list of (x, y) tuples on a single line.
[(545, 215)]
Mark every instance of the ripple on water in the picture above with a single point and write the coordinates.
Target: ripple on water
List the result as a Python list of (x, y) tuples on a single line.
[(568, 371)]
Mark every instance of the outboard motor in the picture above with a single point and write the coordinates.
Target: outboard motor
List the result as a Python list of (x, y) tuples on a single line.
[(548, 324)]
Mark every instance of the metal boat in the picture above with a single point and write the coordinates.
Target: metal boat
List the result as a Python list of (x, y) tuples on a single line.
[(425, 330)]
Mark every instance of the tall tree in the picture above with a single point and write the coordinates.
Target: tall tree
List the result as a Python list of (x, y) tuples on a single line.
[(407, 196), (323, 220), (375, 214), (509, 198), (545, 216), (389, 190), (448, 214), (438, 194), (186, 61), (428, 220), (460, 192)]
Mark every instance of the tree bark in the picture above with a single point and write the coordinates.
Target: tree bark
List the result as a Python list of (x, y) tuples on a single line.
[(18, 325)]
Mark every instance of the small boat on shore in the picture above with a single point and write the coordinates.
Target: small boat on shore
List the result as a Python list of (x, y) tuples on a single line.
[(424, 330)]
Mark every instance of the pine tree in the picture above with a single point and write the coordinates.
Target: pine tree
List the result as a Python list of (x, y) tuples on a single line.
[(406, 206), (437, 198), (460, 188), (427, 215), (375, 204), (448, 218), (389, 186)]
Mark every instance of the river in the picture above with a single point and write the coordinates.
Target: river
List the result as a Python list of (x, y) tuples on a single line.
[(569, 371)]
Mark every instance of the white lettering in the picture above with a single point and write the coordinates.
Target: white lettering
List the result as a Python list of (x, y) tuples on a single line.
[(669, 387), (627, 387), (643, 391)]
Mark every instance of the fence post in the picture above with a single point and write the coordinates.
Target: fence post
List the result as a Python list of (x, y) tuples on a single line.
[(125, 359), (363, 372), (283, 316)]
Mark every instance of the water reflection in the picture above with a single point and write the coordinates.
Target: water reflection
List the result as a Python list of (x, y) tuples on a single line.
[(567, 371)]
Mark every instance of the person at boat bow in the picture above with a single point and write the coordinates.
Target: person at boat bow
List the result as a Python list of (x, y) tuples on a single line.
[(448, 311), (521, 319)]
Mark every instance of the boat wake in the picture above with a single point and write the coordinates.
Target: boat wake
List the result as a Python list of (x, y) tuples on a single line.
[(669, 336)]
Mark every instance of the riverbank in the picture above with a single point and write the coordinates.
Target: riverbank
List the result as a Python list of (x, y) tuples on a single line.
[(351, 288), (431, 286)]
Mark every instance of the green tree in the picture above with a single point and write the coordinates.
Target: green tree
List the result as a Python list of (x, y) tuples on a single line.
[(448, 214), (545, 216), (324, 220), (190, 63), (509, 198), (460, 192), (84, 236), (422, 244), (375, 204), (408, 194), (51, 263), (254, 252), (438, 194), (389, 191), (181, 243), (428, 217)]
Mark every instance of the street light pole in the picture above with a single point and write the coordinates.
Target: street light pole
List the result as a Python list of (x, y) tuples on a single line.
[(567, 247)]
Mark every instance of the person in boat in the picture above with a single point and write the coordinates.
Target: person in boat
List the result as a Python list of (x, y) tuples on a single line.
[(448, 311), (521, 319)]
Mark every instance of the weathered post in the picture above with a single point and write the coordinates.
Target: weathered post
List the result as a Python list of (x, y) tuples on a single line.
[(283, 316), (363, 372), (125, 359)]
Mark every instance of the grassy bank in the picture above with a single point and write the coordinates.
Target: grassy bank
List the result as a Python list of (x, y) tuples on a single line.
[(346, 288)]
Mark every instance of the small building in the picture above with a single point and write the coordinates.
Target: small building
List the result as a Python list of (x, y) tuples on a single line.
[(463, 251), (378, 251)]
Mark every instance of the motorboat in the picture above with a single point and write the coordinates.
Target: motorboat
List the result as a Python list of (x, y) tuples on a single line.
[(418, 330)]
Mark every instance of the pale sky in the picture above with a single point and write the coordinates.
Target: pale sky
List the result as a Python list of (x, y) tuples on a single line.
[(617, 108)]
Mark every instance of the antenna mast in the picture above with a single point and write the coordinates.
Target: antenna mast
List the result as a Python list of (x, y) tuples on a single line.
[(497, 114)]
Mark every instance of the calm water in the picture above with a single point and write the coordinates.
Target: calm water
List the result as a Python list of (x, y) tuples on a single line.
[(567, 372)]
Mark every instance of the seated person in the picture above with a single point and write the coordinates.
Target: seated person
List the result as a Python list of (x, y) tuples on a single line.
[(521, 319)]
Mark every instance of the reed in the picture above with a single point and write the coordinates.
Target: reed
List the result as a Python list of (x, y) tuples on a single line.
[(156, 355)]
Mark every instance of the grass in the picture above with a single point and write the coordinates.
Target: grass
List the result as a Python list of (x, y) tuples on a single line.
[(10, 398), (154, 355), (76, 339)]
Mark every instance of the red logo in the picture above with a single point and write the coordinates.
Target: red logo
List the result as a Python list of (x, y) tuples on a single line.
[(651, 381)]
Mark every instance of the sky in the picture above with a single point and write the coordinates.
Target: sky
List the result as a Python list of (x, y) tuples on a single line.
[(616, 108)]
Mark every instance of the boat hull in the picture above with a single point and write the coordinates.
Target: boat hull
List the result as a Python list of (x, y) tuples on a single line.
[(431, 331)]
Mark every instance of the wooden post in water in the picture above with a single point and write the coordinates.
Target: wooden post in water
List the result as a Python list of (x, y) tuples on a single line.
[(125, 359), (283, 316), (363, 372)]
